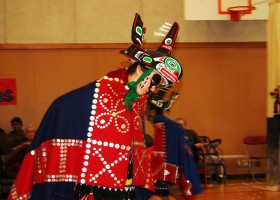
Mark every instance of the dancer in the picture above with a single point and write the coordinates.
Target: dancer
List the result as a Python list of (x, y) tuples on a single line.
[(173, 165), (90, 143)]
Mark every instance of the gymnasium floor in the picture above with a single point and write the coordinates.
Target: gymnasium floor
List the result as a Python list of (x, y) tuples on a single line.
[(239, 189), (235, 189)]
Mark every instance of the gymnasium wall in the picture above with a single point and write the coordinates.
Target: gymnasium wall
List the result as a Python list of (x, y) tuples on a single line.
[(95, 21), (222, 93), (52, 47)]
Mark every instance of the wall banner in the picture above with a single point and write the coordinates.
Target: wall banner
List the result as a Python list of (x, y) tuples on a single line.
[(8, 91)]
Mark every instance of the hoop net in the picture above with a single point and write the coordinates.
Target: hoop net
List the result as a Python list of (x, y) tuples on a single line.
[(237, 11)]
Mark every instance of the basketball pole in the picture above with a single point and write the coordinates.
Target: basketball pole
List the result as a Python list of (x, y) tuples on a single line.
[(273, 84)]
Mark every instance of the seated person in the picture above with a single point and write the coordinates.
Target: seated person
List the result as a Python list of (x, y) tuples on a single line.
[(192, 139), (29, 133), (14, 138), (14, 156)]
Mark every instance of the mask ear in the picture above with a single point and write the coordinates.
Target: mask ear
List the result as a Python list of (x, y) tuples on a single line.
[(171, 100), (136, 53), (138, 31), (169, 40)]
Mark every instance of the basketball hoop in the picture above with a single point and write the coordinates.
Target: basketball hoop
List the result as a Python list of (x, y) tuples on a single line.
[(237, 11)]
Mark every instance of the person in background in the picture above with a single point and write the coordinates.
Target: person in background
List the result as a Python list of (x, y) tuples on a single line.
[(29, 132), (13, 138), (192, 139), (17, 126), (90, 143), (13, 157), (172, 163)]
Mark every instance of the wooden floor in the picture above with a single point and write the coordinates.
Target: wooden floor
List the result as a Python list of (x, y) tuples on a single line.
[(236, 189), (242, 189)]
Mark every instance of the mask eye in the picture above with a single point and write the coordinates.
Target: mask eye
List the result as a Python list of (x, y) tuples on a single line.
[(156, 80)]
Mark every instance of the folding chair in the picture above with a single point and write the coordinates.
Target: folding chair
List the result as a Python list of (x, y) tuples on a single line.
[(255, 147), (213, 160)]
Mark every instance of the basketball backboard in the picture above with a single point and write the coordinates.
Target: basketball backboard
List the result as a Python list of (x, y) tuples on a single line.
[(218, 9)]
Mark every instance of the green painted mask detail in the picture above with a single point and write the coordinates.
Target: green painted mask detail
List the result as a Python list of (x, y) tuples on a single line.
[(172, 64), (147, 59), (139, 30)]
